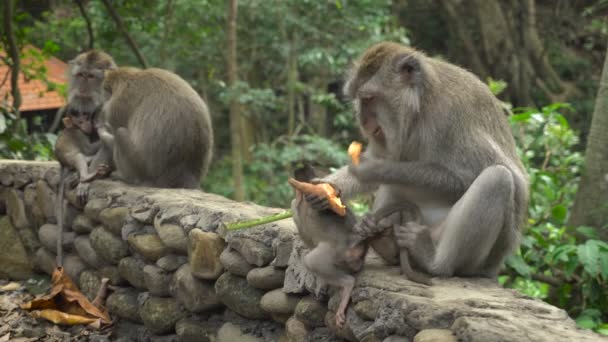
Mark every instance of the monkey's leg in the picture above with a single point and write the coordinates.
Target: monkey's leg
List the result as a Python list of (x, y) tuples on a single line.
[(463, 242), (321, 261), (130, 164)]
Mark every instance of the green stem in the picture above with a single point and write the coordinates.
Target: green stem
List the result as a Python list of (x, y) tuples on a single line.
[(258, 221)]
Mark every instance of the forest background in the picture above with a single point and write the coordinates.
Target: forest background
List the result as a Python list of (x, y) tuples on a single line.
[(271, 72)]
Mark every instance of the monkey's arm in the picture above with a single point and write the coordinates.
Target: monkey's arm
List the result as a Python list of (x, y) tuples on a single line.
[(420, 173)]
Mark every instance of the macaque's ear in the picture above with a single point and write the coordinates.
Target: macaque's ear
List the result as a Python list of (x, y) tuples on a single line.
[(408, 66), (67, 122)]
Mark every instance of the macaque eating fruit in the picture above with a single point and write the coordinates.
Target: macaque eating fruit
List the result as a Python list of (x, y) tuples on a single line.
[(332, 257)]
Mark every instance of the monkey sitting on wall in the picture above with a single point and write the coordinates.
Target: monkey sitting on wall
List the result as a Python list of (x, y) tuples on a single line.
[(76, 146), (438, 138), (158, 128)]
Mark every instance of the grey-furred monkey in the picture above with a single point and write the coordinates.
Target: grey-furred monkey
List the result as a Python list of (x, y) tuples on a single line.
[(85, 95), (332, 256), (78, 144), (158, 127), (437, 138)]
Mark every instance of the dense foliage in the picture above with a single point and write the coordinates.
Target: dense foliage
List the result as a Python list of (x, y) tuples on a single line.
[(552, 263)]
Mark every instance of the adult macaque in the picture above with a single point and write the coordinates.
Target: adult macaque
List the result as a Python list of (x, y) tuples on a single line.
[(85, 95), (332, 257), (438, 138), (158, 127), (78, 143)]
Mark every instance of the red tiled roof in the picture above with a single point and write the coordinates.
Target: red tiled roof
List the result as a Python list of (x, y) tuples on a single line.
[(34, 93)]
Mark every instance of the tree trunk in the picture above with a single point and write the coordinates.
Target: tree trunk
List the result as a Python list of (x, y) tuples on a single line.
[(121, 26), (292, 78), (13, 54), (87, 20), (248, 124), (167, 22), (591, 203), (235, 108), (502, 41), (318, 112)]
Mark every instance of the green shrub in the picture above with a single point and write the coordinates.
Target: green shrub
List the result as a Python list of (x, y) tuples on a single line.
[(552, 264)]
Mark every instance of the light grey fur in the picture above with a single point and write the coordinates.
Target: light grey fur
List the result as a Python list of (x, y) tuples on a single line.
[(159, 127), (451, 153)]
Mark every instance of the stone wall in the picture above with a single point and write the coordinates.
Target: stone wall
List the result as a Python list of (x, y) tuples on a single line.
[(178, 276)]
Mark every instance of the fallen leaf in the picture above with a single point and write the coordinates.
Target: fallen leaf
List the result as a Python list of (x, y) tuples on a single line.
[(5, 338), (65, 304), (321, 190), (12, 286), (59, 317)]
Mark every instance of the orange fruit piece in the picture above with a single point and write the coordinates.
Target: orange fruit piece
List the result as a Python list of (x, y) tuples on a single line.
[(354, 151), (321, 190)]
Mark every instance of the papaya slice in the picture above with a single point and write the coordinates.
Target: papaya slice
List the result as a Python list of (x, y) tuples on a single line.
[(321, 190)]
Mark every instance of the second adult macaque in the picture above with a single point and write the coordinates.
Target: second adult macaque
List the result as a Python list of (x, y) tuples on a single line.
[(332, 258), (438, 138), (158, 127)]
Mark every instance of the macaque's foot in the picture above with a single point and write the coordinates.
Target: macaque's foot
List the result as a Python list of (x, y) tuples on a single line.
[(340, 319), (88, 178), (103, 170), (409, 235), (82, 191)]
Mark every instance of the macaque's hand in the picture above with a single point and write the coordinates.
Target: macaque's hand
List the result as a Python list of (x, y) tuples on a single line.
[(412, 235), (368, 170), (317, 202), (368, 226), (340, 319), (321, 190), (103, 170)]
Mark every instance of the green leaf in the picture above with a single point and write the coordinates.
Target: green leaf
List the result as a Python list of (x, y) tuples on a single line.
[(585, 323), (588, 255), (559, 212), (519, 265), (2, 123), (588, 232), (604, 265)]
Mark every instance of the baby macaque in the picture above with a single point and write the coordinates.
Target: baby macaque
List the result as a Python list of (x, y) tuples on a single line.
[(76, 145), (333, 257)]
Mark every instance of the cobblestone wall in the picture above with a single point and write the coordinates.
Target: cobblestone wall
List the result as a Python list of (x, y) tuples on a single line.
[(180, 277)]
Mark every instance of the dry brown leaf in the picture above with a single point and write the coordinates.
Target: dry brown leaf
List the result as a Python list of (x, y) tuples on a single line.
[(59, 317), (354, 151), (12, 286), (65, 303), (321, 190)]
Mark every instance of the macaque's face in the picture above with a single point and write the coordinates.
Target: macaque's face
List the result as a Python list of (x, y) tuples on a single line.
[(87, 82), (82, 121)]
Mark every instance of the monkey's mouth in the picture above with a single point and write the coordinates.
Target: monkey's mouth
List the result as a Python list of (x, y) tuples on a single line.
[(370, 126)]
